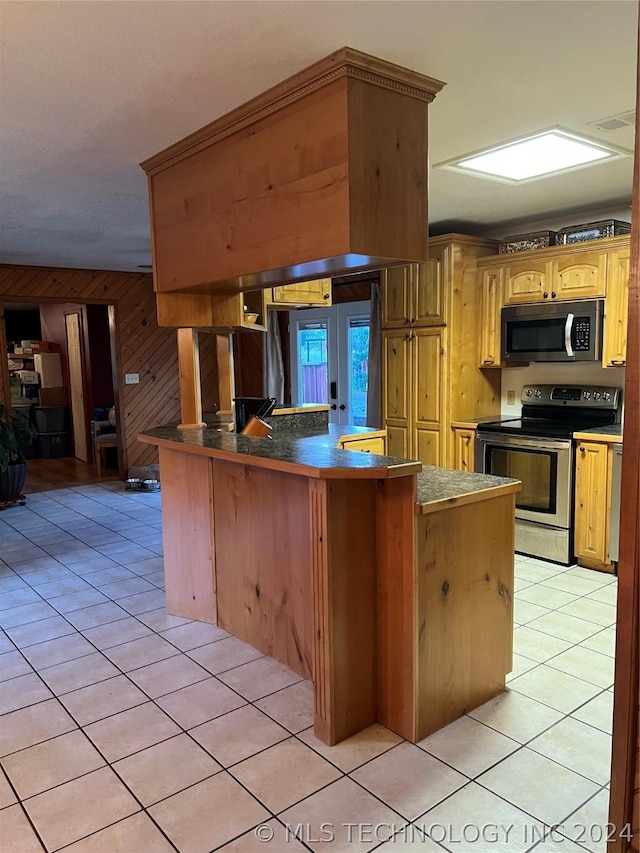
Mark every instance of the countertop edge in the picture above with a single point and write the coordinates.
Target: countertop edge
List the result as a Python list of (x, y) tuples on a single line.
[(468, 498), (595, 436)]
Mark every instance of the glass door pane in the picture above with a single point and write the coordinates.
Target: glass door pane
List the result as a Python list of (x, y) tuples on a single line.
[(358, 356), (536, 469), (312, 345)]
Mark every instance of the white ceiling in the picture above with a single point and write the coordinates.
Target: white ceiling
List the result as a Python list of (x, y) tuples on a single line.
[(89, 89)]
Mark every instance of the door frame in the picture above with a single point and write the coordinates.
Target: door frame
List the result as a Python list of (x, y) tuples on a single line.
[(114, 344)]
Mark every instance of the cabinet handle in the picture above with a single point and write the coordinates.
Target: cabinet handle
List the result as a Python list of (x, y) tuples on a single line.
[(412, 336), (618, 361), (406, 319), (412, 320), (582, 450), (545, 295), (489, 361), (553, 294), (326, 295)]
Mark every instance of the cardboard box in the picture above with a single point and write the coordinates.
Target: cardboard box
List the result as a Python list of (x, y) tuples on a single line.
[(53, 397)]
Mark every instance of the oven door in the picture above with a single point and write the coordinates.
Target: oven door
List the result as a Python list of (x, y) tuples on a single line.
[(543, 465)]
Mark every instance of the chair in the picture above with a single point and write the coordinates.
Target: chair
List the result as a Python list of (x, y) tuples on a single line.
[(103, 441)]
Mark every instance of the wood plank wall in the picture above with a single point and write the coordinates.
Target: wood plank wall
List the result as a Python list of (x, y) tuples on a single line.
[(142, 347)]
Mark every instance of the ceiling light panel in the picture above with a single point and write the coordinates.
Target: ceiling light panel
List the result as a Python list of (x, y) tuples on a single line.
[(546, 153)]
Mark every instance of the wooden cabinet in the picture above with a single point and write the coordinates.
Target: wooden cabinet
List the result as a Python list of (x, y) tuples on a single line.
[(303, 294), (579, 275), (213, 311), (526, 279), (463, 448), (413, 295), (430, 350), (363, 443), (599, 268), (413, 400), (396, 392), (430, 402), (573, 274), (614, 348), (593, 504), (491, 286)]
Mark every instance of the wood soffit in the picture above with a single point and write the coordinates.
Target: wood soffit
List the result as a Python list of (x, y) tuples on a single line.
[(345, 62)]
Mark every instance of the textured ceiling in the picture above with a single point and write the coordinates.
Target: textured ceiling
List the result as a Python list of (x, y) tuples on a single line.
[(89, 89)]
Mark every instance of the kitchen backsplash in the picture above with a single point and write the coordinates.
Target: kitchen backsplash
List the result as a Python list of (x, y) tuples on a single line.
[(513, 378)]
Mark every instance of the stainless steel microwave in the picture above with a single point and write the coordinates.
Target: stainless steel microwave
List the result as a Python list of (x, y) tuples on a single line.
[(556, 331)]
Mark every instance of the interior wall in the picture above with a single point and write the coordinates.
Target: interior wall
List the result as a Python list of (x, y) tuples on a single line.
[(144, 348), (514, 378)]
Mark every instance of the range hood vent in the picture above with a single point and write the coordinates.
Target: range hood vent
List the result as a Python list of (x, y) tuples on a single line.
[(321, 176)]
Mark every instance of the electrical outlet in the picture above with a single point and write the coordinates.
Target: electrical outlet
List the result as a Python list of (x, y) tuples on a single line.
[(131, 378), (511, 398)]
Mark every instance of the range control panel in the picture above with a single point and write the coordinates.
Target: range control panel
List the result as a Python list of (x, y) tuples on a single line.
[(584, 396)]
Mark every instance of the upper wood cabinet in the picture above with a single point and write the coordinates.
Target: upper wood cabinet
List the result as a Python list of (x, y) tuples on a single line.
[(526, 279), (413, 295), (614, 349), (222, 311), (591, 270), (579, 275), (491, 298), (305, 293)]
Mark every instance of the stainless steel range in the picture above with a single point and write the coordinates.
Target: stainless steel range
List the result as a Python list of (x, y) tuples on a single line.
[(538, 449)]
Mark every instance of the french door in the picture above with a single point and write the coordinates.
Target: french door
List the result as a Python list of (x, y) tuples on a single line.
[(329, 359)]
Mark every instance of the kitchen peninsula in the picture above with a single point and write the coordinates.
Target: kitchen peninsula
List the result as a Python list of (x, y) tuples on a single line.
[(386, 583)]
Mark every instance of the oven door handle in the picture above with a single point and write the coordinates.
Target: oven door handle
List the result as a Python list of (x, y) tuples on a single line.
[(511, 442), (568, 327)]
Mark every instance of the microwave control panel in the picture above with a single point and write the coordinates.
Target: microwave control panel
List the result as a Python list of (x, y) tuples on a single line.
[(581, 334)]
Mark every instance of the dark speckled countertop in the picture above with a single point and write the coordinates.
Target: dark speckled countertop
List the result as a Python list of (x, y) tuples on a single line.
[(307, 452), (315, 454), (441, 486), (613, 432)]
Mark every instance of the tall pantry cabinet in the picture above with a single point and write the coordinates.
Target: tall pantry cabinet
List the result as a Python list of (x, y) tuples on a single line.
[(430, 347)]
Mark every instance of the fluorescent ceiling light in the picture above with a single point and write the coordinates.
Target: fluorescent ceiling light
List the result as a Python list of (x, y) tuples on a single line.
[(544, 153)]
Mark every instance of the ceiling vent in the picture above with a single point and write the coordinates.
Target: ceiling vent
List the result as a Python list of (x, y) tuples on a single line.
[(615, 122)]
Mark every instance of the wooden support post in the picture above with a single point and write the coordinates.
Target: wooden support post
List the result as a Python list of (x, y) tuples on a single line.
[(190, 392), (226, 380)]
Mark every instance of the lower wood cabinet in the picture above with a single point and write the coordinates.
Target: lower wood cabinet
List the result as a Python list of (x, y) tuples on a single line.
[(463, 449), (363, 444), (593, 504), (413, 399)]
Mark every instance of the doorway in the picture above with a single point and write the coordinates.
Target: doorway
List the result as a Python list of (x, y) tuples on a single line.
[(70, 404), (329, 359)]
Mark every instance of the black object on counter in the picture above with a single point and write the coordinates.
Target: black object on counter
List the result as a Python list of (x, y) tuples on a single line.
[(246, 407)]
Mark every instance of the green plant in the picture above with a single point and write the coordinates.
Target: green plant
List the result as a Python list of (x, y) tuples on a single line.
[(15, 432)]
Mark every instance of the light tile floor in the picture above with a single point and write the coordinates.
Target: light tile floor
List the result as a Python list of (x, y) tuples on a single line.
[(125, 730)]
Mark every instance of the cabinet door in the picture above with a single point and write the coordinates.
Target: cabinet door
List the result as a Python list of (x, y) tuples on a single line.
[(365, 445), (396, 285), (614, 349), (429, 364), (490, 308), (396, 396), (592, 503), (429, 297), (579, 275), (463, 449), (526, 280), (316, 292)]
